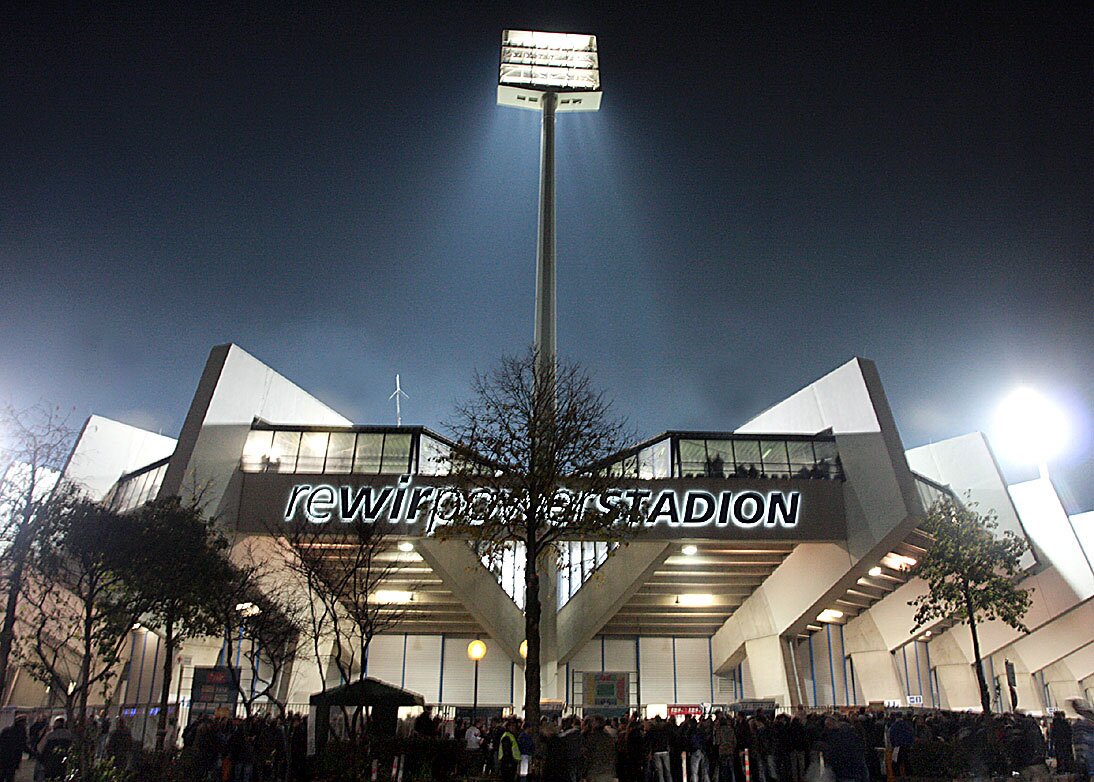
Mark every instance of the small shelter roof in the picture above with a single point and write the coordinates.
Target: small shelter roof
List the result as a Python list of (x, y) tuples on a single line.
[(367, 692)]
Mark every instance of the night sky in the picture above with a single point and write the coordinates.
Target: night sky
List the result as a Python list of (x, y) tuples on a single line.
[(763, 196)]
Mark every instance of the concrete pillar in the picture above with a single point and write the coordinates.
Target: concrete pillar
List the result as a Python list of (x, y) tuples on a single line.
[(771, 670), (1062, 685), (548, 630), (875, 675), (956, 678)]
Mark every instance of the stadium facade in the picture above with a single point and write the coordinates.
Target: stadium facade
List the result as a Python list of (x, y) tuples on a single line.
[(776, 568)]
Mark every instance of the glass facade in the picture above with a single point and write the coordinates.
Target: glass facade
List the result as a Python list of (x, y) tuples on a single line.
[(680, 455), (135, 489), (372, 452)]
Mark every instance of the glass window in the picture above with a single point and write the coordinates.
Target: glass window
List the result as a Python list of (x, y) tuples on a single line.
[(693, 457), (662, 459), (747, 453), (801, 457), (432, 456), (313, 450), (256, 451), (773, 453), (396, 454), (283, 452), (719, 461), (340, 452), (827, 458), (369, 449)]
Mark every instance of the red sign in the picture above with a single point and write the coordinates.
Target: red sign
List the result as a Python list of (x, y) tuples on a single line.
[(685, 710)]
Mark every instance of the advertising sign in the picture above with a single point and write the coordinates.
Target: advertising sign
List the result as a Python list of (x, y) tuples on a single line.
[(606, 690), (685, 710), (213, 691)]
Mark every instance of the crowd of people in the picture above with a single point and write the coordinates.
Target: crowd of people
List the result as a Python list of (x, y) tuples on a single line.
[(856, 746)]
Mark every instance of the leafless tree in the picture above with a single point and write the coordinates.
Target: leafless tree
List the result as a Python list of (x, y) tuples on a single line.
[(345, 568), (528, 435), (36, 443)]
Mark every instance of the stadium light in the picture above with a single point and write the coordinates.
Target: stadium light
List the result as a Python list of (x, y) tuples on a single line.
[(1031, 427), (548, 72)]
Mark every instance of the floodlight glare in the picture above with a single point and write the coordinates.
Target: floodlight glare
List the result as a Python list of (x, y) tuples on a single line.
[(1031, 427), (534, 64)]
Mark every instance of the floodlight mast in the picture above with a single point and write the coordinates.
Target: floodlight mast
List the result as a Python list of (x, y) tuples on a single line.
[(548, 72)]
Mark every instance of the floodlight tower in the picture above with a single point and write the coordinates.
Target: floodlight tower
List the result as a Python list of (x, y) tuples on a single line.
[(548, 72)]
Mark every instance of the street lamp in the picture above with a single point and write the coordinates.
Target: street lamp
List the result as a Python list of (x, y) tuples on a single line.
[(476, 650), (548, 72)]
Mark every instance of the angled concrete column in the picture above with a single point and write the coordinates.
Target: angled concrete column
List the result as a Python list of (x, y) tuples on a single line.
[(956, 678), (772, 672), (548, 629), (1062, 685), (599, 598), (1029, 699), (874, 672), (463, 573)]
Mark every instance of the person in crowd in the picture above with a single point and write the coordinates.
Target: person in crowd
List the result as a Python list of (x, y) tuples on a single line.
[(119, 746), (658, 745), (472, 743), (725, 747), (1061, 743), (509, 752), (13, 742), (52, 749), (598, 751), (901, 739), (424, 725), (844, 751)]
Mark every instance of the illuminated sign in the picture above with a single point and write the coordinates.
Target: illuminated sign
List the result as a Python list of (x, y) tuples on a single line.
[(433, 506)]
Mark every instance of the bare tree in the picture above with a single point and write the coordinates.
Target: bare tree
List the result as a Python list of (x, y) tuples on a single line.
[(528, 435), (37, 443), (263, 622), (346, 565)]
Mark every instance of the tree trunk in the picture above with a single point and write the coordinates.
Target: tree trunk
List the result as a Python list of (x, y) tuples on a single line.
[(532, 613), (985, 696), (17, 556), (165, 685), (84, 684)]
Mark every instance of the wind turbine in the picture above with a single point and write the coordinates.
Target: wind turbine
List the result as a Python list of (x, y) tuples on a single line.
[(396, 394)]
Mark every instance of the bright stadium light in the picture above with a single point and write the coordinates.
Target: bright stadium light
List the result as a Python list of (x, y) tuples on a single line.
[(548, 72), (829, 615), (1031, 428), (875, 572)]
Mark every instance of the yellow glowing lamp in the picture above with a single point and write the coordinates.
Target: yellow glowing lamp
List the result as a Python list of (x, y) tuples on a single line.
[(476, 650)]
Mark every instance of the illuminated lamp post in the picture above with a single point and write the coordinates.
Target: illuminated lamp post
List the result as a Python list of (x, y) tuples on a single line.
[(476, 650), (548, 72)]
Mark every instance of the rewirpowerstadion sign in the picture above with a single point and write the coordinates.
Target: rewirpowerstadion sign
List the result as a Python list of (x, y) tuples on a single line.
[(417, 505)]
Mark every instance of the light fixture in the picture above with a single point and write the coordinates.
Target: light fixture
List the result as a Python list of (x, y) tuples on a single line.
[(406, 547), (829, 615), (899, 561), (136, 625), (524, 649), (1031, 428), (248, 609), (695, 600), (690, 550), (535, 63), (476, 650), (875, 571), (927, 634), (393, 596)]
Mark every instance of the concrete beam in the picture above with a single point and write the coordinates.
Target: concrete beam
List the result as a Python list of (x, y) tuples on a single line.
[(601, 597), (469, 580)]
